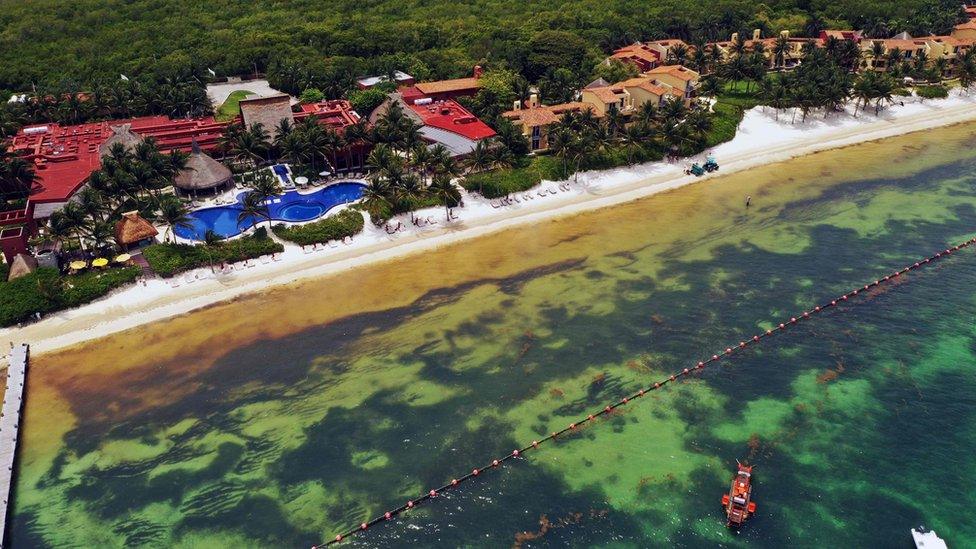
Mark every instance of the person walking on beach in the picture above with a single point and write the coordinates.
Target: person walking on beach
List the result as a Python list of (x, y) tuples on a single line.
[(748, 200)]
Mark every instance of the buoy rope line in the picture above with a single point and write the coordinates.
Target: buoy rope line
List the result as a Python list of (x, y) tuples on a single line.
[(572, 427)]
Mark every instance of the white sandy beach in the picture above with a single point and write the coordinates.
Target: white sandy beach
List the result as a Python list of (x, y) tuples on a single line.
[(761, 140)]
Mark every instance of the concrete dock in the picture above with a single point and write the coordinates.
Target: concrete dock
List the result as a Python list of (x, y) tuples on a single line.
[(13, 403)]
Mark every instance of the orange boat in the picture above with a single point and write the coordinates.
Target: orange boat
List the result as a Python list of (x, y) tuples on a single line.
[(738, 502)]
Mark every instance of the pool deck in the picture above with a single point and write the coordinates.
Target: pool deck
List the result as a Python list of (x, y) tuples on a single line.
[(13, 403)]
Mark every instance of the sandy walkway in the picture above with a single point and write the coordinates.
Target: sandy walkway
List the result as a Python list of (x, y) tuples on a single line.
[(761, 140)]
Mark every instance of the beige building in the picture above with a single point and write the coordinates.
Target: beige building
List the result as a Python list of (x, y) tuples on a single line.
[(536, 120), (965, 31), (678, 78), (653, 87)]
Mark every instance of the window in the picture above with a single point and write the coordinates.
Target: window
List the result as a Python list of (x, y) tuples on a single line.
[(536, 137)]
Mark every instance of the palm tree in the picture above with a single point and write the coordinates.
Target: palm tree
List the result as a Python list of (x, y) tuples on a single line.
[(254, 208), (633, 138), (376, 195), (780, 49), (678, 54), (673, 110), (174, 214), (481, 157), (966, 69), (443, 189), (884, 89), (17, 176), (266, 185), (560, 140), (648, 114), (421, 158)]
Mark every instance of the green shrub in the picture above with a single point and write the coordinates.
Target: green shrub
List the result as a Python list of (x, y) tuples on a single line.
[(335, 227), (45, 291), (932, 92), (382, 213), (498, 183), (169, 259), (724, 124), (4, 271)]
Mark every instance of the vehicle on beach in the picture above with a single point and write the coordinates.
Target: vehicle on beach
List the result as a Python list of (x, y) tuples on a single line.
[(699, 170), (738, 502)]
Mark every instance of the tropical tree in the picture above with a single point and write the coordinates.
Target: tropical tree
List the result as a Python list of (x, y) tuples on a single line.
[(445, 191), (254, 209), (481, 157), (174, 214)]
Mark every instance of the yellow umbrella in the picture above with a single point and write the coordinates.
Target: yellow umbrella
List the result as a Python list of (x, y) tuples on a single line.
[(100, 262), (123, 258), (78, 265)]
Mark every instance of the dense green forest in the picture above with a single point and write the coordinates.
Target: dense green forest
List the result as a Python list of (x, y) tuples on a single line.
[(68, 45)]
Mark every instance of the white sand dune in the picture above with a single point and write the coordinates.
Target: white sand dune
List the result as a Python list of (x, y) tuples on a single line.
[(761, 139)]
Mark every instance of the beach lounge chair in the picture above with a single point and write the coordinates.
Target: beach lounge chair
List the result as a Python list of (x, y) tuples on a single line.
[(495, 205), (265, 259), (333, 244)]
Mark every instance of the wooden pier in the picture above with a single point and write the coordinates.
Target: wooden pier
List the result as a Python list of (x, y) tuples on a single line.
[(13, 403)]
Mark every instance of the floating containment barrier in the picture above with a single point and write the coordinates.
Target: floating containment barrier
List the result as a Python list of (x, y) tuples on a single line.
[(657, 385)]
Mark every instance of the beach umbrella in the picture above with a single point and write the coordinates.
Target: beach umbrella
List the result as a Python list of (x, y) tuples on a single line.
[(122, 258), (78, 265), (326, 173), (100, 262), (301, 180)]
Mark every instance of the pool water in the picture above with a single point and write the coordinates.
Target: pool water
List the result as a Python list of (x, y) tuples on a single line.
[(291, 206)]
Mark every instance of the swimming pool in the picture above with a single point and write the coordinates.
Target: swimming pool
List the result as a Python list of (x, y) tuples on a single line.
[(290, 206)]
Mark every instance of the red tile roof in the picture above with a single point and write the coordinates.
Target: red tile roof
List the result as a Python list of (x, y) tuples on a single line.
[(449, 115), (64, 156), (678, 71), (544, 115)]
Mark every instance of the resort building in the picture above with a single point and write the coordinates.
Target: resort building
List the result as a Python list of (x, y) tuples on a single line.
[(445, 89), (22, 265), (627, 96), (665, 48), (402, 79), (852, 35), (791, 57), (676, 78), (446, 122), (133, 231), (535, 120), (338, 114), (64, 156), (965, 31), (202, 174), (268, 111), (648, 55), (442, 119), (639, 55)]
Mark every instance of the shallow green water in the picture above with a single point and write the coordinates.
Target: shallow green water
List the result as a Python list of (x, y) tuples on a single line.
[(861, 422)]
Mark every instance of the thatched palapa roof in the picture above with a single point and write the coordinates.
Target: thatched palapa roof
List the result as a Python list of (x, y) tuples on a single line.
[(202, 172), (22, 265), (121, 134), (133, 228)]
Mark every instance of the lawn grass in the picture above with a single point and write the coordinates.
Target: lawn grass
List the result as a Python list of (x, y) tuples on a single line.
[(231, 107)]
